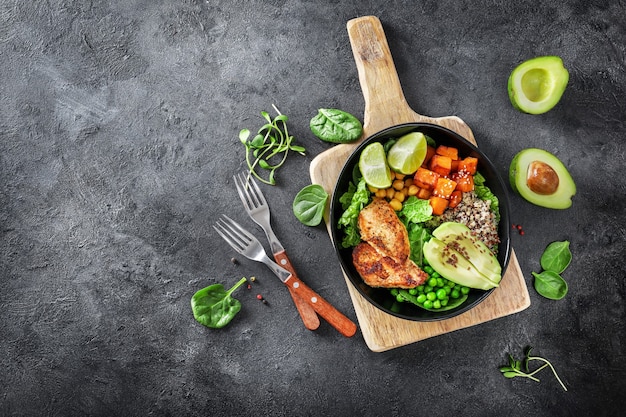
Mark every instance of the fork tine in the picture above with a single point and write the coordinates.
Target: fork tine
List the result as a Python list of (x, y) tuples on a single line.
[(241, 190), (235, 235), (249, 191)]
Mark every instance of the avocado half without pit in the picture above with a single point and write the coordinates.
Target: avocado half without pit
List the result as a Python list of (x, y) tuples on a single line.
[(536, 85), (542, 179)]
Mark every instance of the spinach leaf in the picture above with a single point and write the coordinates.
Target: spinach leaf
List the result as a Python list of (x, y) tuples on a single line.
[(309, 204), (214, 307), (556, 257), (337, 126), (550, 285), (418, 235)]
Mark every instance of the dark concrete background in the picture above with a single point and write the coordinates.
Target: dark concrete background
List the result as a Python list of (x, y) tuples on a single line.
[(119, 130)]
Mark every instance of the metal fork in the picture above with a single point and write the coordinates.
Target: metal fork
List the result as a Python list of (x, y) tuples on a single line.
[(247, 245), (257, 208)]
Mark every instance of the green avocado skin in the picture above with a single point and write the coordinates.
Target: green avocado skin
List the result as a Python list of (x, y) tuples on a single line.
[(561, 199), (544, 73)]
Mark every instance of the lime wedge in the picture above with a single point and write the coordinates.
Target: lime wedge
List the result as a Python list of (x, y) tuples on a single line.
[(373, 166), (408, 153)]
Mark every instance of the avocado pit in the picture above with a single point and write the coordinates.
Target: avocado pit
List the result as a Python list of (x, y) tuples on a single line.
[(541, 178)]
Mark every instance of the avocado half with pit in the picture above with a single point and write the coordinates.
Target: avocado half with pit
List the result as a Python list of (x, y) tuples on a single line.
[(542, 179), (536, 85)]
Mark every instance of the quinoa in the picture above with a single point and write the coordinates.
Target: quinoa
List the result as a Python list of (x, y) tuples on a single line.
[(476, 214)]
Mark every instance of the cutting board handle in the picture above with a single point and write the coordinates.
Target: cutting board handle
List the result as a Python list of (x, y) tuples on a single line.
[(385, 104)]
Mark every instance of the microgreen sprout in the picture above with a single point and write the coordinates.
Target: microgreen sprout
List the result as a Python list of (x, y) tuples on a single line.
[(269, 148), (514, 369)]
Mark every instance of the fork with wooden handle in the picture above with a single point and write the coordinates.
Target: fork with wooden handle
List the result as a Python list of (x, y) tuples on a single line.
[(258, 210), (247, 245)]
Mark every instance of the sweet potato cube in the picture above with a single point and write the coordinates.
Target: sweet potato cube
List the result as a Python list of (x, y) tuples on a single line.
[(450, 152), (444, 187), (464, 181), (468, 165), (438, 204), (454, 165), (425, 178), (455, 198), (441, 165), (430, 151), (423, 194)]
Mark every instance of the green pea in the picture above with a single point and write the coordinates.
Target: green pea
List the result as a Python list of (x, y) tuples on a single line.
[(420, 289), (435, 274), (450, 284), (437, 304), (413, 291), (440, 282), (465, 290), (455, 293), (431, 296), (428, 269), (444, 302), (447, 289), (394, 292), (428, 304), (399, 298), (428, 288), (441, 294), (432, 282), (421, 298)]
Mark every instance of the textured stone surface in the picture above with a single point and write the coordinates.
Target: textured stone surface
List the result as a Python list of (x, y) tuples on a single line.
[(118, 141)]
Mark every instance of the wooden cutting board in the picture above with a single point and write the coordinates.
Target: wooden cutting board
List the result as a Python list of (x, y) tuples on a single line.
[(385, 106)]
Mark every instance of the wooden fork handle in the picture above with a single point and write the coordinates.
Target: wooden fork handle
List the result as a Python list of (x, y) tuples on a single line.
[(307, 313), (334, 317)]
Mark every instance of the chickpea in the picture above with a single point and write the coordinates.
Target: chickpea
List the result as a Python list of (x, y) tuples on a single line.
[(381, 193), (395, 204), (390, 192), (373, 190), (408, 182), (413, 189), (399, 176), (399, 195), (398, 185)]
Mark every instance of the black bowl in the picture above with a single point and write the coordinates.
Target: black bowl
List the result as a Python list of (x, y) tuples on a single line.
[(381, 297)]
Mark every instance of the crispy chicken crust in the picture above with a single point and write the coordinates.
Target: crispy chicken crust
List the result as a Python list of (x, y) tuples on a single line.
[(383, 271), (380, 227), (382, 259)]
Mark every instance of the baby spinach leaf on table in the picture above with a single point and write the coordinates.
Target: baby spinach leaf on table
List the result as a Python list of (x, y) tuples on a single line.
[(214, 307), (309, 204), (556, 257), (337, 126), (550, 285)]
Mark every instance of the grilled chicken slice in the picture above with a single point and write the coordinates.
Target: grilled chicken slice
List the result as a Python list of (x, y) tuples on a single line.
[(382, 259), (383, 271), (380, 227)]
